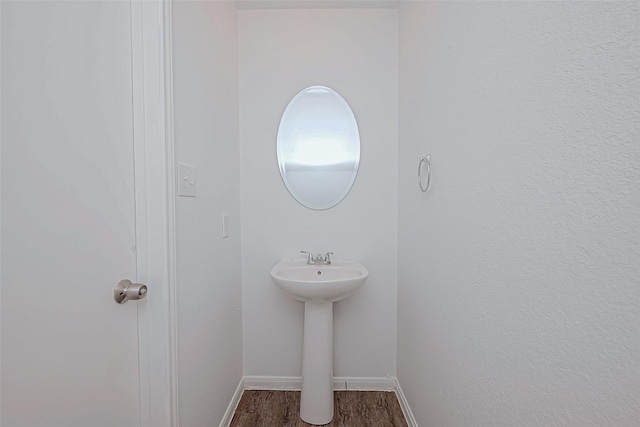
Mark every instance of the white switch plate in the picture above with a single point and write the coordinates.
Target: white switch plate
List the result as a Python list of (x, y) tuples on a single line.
[(225, 226), (186, 180)]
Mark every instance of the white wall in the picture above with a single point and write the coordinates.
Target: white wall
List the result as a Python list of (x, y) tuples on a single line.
[(355, 53), (518, 270), (208, 267)]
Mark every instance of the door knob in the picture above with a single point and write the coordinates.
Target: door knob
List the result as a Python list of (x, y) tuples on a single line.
[(126, 290)]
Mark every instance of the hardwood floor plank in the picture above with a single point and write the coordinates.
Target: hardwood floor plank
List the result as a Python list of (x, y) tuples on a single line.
[(352, 409), (272, 409), (374, 408), (292, 410), (244, 419), (397, 416), (269, 408), (248, 401)]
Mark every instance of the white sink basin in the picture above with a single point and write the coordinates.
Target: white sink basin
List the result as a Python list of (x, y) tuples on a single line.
[(319, 283), (318, 286)]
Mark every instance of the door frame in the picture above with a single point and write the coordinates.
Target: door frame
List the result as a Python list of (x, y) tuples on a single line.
[(155, 210)]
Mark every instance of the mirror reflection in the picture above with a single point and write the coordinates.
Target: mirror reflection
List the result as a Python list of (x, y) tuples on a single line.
[(318, 147)]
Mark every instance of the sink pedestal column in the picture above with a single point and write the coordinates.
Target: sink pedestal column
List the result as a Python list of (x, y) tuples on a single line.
[(316, 402)]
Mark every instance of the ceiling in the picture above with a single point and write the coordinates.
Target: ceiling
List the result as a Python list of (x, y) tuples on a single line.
[(317, 4)]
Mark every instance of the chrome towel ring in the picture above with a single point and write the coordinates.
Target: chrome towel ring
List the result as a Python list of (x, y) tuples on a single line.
[(426, 160)]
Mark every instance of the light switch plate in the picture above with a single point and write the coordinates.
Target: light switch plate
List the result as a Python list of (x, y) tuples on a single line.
[(186, 180), (225, 226)]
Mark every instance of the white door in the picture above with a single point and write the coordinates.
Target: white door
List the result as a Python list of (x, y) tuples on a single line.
[(69, 352)]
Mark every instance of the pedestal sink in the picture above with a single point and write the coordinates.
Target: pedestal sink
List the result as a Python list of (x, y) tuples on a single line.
[(318, 286)]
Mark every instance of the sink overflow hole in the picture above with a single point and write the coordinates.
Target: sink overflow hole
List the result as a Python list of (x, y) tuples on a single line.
[(319, 273)]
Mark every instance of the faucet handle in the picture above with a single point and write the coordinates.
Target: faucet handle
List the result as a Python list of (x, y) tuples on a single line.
[(310, 258), (327, 258)]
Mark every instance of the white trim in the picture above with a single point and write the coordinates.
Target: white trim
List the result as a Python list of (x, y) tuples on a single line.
[(154, 217), (272, 383), (140, 197), (404, 405), (171, 210), (231, 409), (339, 383), (364, 383)]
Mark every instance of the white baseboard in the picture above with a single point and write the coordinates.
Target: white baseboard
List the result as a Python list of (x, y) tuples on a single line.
[(231, 409), (404, 405), (339, 383), (364, 383), (272, 383)]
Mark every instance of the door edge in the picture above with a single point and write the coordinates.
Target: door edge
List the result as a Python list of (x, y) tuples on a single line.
[(155, 212)]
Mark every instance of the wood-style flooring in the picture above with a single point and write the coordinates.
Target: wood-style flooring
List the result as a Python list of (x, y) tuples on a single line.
[(269, 408)]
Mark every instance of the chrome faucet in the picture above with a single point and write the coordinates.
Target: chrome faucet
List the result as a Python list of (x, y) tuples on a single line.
[(310, 260), (318, 259)]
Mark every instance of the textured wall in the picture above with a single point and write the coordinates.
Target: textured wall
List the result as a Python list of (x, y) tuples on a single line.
[(355, 53), (519, 294), (205, 58)]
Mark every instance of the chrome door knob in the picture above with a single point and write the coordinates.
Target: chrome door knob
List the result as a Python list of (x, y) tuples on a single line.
[(126, 290)]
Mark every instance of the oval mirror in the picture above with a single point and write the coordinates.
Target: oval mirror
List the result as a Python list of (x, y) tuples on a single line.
[(318, 147)]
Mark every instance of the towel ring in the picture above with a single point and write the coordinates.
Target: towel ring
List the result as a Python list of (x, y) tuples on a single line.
[(426, 160)]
